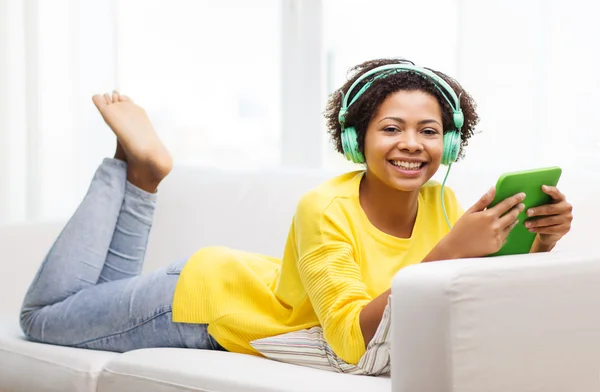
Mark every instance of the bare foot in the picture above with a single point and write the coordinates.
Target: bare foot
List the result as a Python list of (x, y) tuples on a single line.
[(148, 159)]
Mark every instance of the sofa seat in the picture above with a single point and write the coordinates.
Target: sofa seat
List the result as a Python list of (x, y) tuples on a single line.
[(170, 369), (27, 366)]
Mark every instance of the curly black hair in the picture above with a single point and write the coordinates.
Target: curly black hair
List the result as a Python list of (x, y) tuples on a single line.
[(360, 113)]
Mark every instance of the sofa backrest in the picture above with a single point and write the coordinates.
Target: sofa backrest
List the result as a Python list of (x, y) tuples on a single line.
[(22, 248), (249, 210)]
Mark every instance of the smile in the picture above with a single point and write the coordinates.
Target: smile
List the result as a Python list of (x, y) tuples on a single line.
[(408, 168), (408, 165)]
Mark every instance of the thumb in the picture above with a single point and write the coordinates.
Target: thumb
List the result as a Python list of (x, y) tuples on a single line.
[(483, 202)]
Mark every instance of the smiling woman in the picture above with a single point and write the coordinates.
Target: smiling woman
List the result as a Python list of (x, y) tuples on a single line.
[(349, 235)]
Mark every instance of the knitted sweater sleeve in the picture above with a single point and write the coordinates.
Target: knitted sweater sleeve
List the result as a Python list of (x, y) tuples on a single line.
[(331, 277)]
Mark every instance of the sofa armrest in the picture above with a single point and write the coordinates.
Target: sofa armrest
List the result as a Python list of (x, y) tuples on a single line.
[(22, 249), (512, 323)]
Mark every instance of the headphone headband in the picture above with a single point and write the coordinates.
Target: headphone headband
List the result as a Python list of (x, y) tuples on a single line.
[(443, 87)]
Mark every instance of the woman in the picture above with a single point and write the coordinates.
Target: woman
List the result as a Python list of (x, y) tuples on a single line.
[(348, 238)]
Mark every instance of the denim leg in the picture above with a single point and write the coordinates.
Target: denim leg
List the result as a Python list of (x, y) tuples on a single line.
[(104, 242), (121, 315), (128, 246), (77, 257)]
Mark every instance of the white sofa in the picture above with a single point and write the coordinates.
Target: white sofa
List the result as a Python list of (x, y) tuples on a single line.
[(520, 324)]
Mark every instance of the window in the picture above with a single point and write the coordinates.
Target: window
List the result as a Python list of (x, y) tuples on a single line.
[(208, 74), (242, 84)]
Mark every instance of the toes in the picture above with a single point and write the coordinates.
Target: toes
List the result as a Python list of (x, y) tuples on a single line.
[(125, 98), (99, 101), (115, 96), (108, 99)]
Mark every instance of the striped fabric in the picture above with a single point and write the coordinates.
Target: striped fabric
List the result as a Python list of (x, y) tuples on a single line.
[(308, 347)]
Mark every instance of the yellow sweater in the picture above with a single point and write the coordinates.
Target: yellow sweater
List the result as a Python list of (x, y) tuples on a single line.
[(335, 262)]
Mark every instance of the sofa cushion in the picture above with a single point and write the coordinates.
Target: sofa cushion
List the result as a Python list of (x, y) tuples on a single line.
[(26, 366), (169, 369)]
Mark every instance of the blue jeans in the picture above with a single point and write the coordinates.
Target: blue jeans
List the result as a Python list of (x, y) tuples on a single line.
[(89, 293)]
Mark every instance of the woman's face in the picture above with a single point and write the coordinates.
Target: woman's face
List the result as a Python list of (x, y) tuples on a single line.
[(404, 140)]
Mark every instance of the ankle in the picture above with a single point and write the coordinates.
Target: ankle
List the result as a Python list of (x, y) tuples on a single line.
[(120, 153), (143, 179), (146, 186)]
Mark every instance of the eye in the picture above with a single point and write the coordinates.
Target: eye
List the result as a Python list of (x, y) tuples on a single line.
[(430, 131), (390, 129)]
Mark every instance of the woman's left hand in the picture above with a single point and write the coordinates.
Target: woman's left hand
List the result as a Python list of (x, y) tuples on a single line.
[(551, 221)]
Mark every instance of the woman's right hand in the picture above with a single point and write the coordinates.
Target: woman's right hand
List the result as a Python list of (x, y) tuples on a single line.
[(482, 231)]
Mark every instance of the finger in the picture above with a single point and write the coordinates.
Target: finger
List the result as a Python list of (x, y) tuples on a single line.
[(545, 221), (508, 218), (550, 209), (553, 192), (99, 101), (115, 96), (554, 229), (108, 99), (507, 204), (483, 202), (509, 228), (507, 231)]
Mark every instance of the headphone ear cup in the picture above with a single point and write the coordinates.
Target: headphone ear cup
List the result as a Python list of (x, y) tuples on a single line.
[(350, 145), (451, 147)]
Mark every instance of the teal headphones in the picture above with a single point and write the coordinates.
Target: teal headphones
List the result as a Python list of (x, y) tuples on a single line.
[(451, 137)]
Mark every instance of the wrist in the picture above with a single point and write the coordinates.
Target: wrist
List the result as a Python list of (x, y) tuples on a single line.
[(538, 246), (444, 250)]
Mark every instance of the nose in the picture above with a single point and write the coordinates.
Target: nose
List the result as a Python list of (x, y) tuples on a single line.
[(409, 141)]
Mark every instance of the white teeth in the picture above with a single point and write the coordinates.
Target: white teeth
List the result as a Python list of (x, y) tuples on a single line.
[(407, 165)]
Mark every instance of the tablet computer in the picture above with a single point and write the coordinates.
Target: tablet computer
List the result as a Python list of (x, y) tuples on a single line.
[(520, 239)]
